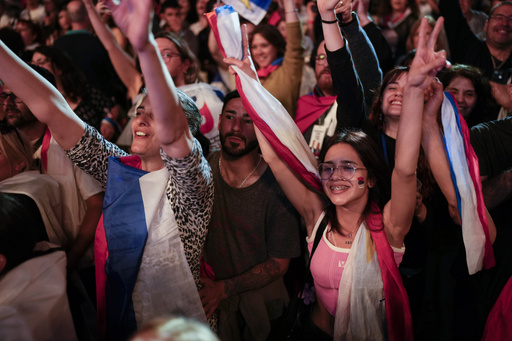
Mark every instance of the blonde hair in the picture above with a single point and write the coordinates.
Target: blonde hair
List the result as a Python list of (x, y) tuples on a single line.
[(17, 149)]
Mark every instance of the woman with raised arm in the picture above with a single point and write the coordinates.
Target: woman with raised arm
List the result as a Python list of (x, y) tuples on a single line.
[(366, 223), (168, 177)]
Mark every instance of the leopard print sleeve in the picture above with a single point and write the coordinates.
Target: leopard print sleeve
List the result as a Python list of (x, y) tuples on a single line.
[(190, 192), (91, 154)]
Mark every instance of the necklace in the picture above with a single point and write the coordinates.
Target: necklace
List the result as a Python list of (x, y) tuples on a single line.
[(349, 233), (348, 242), (247, 177)]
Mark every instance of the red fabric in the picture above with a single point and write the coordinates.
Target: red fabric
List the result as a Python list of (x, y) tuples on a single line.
[(498, 325), (100, 259), (266, 71), (398, 313), (310, 108), (474, 171), (279, 148), (275, 18), (44, 149), (212, 20), (206, 270)]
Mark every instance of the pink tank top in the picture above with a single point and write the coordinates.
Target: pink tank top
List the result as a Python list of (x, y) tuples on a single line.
[(327, 267)]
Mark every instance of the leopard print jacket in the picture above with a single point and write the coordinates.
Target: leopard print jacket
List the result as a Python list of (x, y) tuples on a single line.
[(189, 189)]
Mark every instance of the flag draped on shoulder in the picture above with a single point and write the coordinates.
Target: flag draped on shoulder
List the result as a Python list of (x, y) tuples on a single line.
[(252, 10), (466, 179), (267, 113)]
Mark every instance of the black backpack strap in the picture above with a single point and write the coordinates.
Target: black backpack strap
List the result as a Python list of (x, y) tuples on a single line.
[(318, 236)]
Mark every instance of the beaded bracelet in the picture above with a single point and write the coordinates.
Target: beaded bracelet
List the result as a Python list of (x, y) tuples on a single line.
[(293, 11), (329, 21)]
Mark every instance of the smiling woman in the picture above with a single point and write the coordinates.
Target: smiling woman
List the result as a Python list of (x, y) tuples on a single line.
[(473, 93), (169, 174), (280, 62)]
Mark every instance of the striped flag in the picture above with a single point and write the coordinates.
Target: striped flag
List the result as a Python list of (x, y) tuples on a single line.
[(466, 178), (252, 10), (263, 108)]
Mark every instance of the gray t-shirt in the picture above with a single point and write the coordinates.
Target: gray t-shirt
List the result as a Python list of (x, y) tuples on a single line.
[(249, 224)]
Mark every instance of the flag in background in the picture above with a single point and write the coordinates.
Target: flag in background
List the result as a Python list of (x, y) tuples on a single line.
[(252, 10), (466, 179), (267, 113)]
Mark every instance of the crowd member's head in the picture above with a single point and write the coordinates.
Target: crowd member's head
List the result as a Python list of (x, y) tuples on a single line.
[(470, 88), (266, 44), (78, 15), (236, 130), (63, 19), (498, 28), (15, 150), (68, 76), (388, 103), (466, 6), (30, 32), (319, 63), (174, 329), (412, 39), (170, 12), (201, 7), (17, 232), (16, 112), (145, 143), (179, 59), (388, 7), (353, 154)]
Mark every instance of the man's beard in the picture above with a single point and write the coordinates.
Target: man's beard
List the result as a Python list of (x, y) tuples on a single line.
[(233, 149), (18, 120)]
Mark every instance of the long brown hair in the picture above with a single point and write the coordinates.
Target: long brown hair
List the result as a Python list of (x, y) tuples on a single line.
[(378, 172)]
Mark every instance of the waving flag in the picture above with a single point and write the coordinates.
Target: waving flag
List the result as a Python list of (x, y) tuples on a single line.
[(265, 110), (466, 179), (252, 10)]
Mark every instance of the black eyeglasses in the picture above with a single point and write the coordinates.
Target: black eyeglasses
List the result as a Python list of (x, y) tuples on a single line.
[(346, 170), (501, 18), (167, 56), (4, 96), (321, 58)]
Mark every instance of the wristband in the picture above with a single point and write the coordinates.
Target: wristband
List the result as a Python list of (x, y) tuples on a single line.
[(292, 11), (329, 21)]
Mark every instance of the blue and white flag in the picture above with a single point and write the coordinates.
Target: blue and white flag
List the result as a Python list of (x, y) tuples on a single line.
[(466, 179), (252, 10)]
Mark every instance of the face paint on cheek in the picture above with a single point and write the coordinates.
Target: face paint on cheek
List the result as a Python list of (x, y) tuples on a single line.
[(360, 182)]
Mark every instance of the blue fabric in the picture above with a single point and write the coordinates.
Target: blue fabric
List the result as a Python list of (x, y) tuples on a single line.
[(448, 138), (126, 234)]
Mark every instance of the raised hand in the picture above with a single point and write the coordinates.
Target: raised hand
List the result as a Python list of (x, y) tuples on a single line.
[(427, 63), (325, 7), (345, 8), (433, 102), (246, 64), (133, 17)]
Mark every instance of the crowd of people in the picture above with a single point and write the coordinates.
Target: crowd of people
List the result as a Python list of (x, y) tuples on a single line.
[(162, 181)]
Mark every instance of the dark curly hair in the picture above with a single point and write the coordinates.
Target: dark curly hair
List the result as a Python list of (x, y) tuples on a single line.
[(483, 90), (71, 77), (376, 116)]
